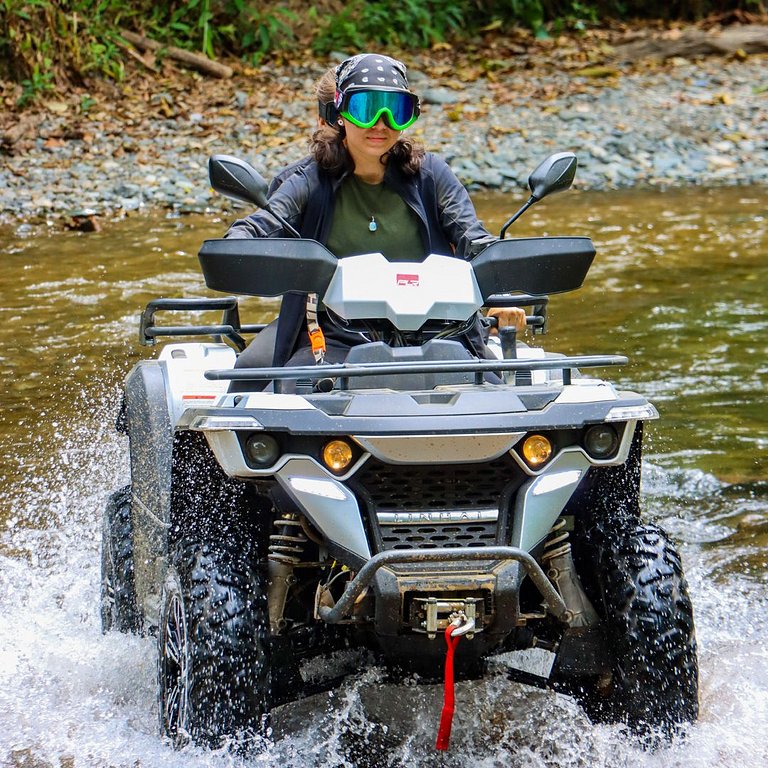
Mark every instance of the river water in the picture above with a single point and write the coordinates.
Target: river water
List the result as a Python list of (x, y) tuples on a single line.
[(679, 285)]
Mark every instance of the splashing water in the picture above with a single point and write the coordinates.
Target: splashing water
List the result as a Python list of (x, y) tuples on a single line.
[(73, 697)]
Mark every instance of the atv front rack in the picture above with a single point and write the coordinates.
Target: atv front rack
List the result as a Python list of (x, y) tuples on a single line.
[(342, 373)]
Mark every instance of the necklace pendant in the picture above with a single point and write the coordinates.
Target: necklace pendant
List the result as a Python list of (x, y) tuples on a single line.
[(372, 225)]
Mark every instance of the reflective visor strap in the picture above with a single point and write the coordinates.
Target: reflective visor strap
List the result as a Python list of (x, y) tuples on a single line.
[(316, 336)]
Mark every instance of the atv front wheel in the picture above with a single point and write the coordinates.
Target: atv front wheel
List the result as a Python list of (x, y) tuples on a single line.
[(213, 671), (119, 609), (650, 634)]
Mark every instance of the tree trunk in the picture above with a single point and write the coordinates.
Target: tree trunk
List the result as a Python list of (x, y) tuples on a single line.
[(749, 38), (194, 60)]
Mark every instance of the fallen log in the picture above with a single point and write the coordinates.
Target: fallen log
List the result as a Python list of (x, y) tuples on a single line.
[(25, 127), (749, 38), (194, 60)]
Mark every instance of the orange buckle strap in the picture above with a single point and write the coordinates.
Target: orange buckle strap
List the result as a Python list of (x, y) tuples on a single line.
[(317, 340)]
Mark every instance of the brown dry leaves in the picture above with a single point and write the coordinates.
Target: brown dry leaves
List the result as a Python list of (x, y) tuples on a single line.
[(502, 60)]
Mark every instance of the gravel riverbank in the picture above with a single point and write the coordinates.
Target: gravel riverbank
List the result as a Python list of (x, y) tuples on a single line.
[(688, 123)]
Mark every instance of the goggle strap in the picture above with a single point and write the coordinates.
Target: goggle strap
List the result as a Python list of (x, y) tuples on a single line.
[(328, 112)]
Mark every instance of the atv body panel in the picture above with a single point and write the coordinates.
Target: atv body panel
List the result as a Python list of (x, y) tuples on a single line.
[(372, 503)]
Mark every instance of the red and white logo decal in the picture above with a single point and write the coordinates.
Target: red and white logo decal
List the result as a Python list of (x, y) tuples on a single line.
[(405, 279)]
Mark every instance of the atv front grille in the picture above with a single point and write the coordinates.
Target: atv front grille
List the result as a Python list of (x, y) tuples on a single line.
[(430, 537), (437, 505)]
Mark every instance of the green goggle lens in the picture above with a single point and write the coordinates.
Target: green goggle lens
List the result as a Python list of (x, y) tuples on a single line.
[(364, 108)]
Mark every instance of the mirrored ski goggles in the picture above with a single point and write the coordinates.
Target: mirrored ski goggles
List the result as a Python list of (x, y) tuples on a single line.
[(364, 108)]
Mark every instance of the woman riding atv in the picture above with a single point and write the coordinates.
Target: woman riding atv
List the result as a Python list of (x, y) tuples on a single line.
[(366, 188)]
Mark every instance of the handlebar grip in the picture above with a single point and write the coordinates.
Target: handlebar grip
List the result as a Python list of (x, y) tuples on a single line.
[(534, 321)]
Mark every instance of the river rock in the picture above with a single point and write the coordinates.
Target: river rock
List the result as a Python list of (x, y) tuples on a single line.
[(440, 96), (697, 123)]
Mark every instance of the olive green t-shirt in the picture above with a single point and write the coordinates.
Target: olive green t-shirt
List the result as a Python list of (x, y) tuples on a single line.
[(371, 218)]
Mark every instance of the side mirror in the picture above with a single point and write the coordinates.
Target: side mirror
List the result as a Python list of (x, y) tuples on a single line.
[(237, 180), (554, 174), (551, 175)]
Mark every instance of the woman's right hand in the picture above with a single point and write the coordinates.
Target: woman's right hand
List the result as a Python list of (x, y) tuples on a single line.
[(506, 317)]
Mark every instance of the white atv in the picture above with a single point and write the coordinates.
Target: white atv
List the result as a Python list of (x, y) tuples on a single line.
[(376, 503)]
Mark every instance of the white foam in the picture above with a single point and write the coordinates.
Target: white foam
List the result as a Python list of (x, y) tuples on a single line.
[(70, 696)]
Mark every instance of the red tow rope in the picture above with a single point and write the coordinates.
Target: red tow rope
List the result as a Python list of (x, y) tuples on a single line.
[(446, 718)]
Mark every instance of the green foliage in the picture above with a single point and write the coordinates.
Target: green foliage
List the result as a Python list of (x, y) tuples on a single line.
[(258, 30), (39, 81), (391, 23), (528, 13), (42, 41), (190, 24), (577, 17), (48, 42), (87, 102), (244, 27)]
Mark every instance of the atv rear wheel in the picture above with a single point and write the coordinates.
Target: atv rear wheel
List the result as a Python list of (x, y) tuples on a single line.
[(650, 634), (119, 609), (213, 671)]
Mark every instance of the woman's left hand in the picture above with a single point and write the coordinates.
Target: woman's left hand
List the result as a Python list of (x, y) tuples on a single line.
[(508, 316)]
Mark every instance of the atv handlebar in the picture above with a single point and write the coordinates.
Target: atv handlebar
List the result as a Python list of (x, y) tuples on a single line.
[(275, 266)]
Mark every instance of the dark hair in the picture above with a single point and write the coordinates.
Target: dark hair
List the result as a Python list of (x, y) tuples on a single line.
[(327, 148), (325, 87)]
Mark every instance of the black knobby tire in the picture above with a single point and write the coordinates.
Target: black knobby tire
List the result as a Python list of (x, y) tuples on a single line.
[(650, 633), (213, 672), (119, 607)]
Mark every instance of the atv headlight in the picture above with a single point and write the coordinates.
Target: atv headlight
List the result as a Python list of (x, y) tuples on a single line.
[(536, 450), (632, 412), (601, 441), (262, 450), (337, 455)]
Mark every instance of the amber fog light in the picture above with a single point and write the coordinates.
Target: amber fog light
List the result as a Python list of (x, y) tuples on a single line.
[(536, 450), (263, 450), (337, 455), (601, 441)]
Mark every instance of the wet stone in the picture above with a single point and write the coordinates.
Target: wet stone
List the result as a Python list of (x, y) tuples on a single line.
[(644, 128), (440, 96)]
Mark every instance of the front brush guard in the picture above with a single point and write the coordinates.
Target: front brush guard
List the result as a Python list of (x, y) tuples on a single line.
[(341, 609)]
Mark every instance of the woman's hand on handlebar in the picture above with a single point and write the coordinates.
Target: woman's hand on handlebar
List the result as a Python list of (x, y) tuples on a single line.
[(508, 316)]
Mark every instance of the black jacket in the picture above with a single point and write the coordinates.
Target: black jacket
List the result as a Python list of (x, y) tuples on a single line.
[(305, 198)]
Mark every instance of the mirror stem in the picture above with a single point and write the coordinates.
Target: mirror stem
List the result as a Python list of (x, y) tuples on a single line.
[(531, 200), (283, 223)]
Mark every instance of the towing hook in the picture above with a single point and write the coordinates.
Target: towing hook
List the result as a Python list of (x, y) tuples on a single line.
[(463, 625)]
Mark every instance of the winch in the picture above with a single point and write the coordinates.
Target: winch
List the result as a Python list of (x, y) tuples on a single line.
[(432, 615)]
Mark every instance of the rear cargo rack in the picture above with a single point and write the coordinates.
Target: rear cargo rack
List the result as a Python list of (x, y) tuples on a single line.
[(229, 328)]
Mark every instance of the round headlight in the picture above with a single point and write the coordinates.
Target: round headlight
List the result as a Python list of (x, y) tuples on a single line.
[(263, 450), (536, 450), (601, 441), (337, 455)]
